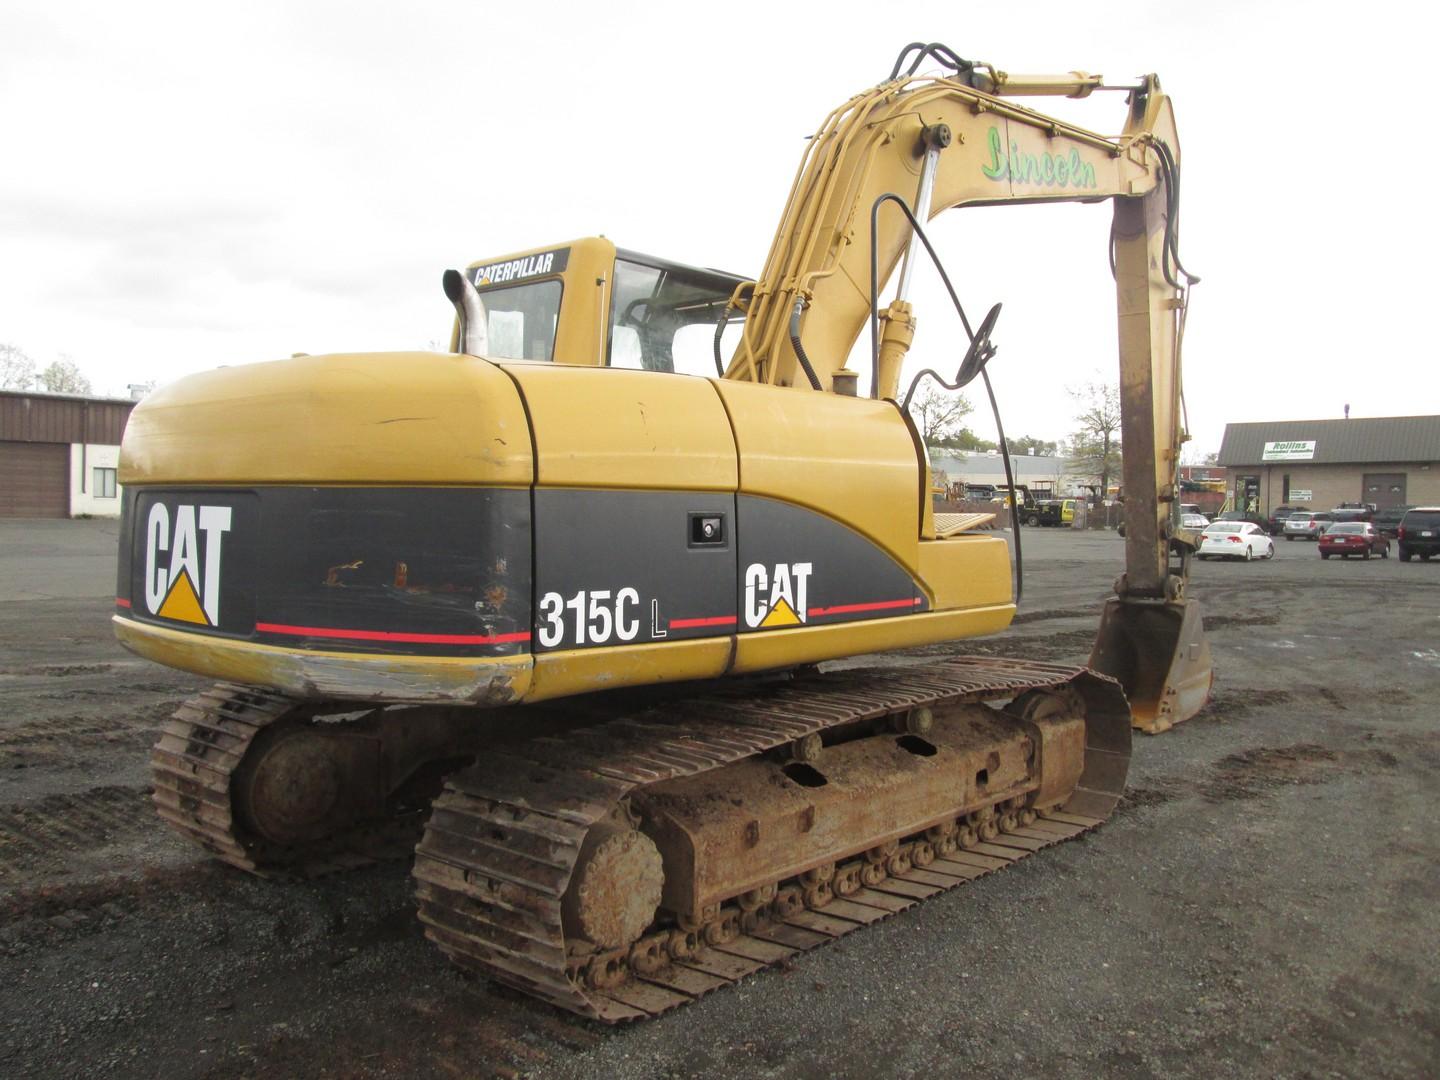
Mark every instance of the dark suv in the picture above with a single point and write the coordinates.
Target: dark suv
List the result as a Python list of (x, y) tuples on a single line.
[(1351, 512), (1387, 521), (1242, 515), (1420, 533)]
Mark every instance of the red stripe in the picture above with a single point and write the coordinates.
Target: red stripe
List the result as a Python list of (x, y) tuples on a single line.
[(881, 605), (718, 620), (120, 601), (388, 635)]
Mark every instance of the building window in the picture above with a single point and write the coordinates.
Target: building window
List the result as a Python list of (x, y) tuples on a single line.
[(1285, 495), (104, 483)]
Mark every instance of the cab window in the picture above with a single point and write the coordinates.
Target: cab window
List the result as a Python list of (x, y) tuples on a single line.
[(663, 319), (520, 320)]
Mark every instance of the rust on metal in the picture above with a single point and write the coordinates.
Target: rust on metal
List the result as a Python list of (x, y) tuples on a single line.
[(251, 777), (761, 863), (1158, 652)]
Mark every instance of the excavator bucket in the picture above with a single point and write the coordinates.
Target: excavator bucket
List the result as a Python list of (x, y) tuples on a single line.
[(1157, 651)]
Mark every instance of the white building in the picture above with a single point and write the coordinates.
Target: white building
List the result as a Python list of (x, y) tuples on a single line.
[(59, 454), (982, 467)]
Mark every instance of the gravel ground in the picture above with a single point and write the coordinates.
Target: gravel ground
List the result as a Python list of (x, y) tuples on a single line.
[(1263, 902)]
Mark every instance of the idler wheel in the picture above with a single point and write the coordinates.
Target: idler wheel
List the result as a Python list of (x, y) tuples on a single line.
[(616, 887), (294, 790)]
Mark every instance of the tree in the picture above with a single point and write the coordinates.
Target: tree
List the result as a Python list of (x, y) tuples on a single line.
[(17, 371), (64, 377), (1094, 446), (938, 413), (965, 439), (1028, 443)]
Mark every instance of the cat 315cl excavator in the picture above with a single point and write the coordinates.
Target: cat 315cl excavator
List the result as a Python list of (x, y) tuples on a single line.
[(562, 604)]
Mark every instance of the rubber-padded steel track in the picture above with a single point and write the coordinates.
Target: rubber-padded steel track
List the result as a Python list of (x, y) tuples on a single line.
[(504, 837), (193, 766)]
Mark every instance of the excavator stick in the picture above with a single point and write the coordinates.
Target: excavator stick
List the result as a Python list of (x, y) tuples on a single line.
[(1152, 637), (1157, 651)]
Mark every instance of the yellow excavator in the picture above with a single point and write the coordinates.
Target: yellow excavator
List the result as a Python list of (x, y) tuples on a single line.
[(561, 596)]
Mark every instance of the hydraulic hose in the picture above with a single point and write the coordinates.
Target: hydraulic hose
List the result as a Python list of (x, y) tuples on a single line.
[(1171, 172), (800, 349), (1010, 480), (720, 330), (963, 377)]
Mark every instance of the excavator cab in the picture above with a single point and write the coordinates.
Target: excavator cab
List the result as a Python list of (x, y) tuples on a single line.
[(651, 314)]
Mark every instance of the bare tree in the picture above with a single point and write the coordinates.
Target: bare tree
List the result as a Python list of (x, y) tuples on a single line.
[(64, 377), (1094, 447), (17, 370), (938, 413)]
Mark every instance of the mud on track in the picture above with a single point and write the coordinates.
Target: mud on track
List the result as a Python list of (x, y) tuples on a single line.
[(1262, 902)]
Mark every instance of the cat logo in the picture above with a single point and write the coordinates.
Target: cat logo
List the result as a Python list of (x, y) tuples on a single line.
[(186, 585), (776, 597)]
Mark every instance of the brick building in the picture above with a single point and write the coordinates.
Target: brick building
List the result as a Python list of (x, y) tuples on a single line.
[(1319, 464), (59, 454)]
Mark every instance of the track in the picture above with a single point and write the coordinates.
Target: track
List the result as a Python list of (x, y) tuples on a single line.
[(194, 765), (503, 840)]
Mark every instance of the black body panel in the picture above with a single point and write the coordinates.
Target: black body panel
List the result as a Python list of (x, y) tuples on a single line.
[(430, 571), (648, 545), (448, 571), (834, 574)]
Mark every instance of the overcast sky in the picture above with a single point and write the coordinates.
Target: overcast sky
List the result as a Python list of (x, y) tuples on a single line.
[(188, 185)]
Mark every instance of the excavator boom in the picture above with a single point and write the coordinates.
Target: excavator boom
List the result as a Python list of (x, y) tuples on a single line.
[(991, 151)]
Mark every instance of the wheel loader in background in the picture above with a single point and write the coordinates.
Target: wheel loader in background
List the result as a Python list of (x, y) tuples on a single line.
[(567, 617)]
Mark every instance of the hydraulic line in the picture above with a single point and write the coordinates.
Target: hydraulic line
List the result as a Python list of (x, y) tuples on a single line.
[(800, 349), (963, 377)]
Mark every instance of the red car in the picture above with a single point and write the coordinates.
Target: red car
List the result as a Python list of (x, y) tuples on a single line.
[(1346, 538)]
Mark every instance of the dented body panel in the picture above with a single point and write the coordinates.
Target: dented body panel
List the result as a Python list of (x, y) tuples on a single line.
[(629, 513)]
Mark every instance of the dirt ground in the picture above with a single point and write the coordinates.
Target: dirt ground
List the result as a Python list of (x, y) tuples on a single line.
[(1263, 903)]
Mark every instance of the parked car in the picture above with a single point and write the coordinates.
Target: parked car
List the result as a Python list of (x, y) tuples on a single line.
[(1187, 521), (1276, 524), (1351, 513), (1308, 525), (1388, 520), (1243, 515), (1420, 532), (1346, 538), (1235, 540)]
